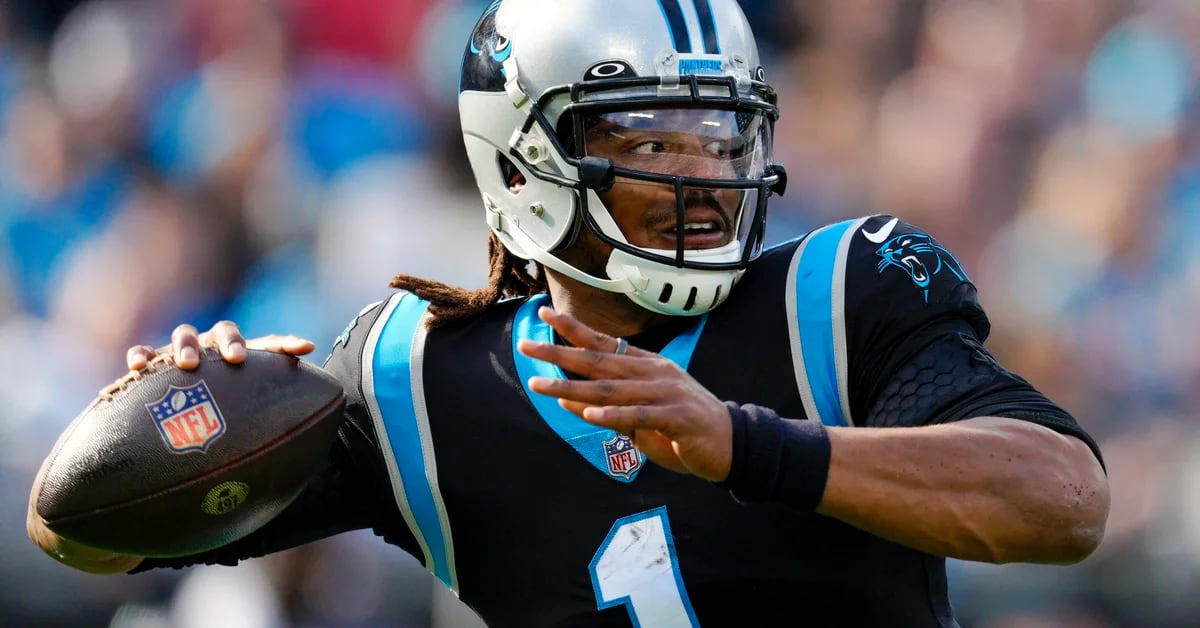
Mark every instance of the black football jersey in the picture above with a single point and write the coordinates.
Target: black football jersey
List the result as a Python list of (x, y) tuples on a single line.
[(537, 518)]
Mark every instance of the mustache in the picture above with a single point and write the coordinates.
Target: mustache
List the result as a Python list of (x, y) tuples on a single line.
[(692, 199)]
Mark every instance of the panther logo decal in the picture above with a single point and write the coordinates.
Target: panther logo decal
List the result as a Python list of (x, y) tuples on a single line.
[(485, 39), (487, 50), (920, 257)]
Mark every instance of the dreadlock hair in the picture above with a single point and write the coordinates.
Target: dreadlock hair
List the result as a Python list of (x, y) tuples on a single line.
[(507, 277)]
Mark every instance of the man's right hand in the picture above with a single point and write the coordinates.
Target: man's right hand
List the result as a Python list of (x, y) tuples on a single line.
[(225, 337), (185, 346)]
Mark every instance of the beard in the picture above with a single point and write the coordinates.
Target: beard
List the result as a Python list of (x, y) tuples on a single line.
[(588, 253)]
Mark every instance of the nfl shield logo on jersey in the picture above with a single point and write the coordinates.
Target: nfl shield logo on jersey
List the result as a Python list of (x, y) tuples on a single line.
[(187, 418), (623, 458)]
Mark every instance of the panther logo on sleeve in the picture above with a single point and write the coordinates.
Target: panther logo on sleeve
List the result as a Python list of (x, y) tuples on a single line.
[(920, 257), (343, 338)]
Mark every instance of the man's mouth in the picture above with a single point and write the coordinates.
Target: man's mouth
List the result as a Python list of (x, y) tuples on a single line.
[(703, 230)]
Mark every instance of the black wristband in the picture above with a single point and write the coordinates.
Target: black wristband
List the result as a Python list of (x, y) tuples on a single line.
[(775, 459)]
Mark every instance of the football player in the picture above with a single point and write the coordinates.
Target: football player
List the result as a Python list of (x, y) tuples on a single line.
[(645, 418)]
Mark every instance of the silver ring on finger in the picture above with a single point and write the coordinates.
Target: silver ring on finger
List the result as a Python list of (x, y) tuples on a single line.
[(622, 346)]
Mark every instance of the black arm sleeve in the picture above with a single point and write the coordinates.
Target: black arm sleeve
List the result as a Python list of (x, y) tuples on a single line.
[(949, 376)]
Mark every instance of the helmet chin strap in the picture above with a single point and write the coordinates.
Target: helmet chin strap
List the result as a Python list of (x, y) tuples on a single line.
[(623, 285)]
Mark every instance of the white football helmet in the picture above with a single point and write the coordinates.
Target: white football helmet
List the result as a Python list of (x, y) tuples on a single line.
[(582, 96)]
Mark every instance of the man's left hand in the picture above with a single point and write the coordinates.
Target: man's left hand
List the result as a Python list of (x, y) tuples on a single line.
[(674, 420)]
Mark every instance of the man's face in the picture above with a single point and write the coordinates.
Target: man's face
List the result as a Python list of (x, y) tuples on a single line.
[(694, 143)]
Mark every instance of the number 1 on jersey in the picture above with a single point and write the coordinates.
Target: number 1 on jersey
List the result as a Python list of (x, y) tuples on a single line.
[(636, 566)]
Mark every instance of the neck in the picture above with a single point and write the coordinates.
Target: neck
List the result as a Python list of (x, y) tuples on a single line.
[(606, 312)]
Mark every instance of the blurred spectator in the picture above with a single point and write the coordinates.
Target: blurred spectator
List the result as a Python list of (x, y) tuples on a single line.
[(36, 20)]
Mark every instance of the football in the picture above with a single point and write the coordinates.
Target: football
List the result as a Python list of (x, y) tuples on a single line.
[(167, 462)]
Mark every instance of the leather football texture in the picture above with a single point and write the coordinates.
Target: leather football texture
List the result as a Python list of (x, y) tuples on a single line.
[(167, 462)]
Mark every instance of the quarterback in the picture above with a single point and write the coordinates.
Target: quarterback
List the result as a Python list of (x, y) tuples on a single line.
[(646, 418)]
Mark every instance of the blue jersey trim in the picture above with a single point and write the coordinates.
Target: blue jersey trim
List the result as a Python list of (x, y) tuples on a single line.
[(814, 288), (391, 367), (585, 438)]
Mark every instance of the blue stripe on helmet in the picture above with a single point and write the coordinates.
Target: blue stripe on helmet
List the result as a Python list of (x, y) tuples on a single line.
[(708, 26), (673, 13)]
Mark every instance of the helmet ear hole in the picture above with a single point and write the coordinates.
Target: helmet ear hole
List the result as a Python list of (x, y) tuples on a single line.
[(514, 179)]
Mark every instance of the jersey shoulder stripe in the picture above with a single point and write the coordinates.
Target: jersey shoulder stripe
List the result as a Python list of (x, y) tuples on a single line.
[(816, 310), (392, 364)]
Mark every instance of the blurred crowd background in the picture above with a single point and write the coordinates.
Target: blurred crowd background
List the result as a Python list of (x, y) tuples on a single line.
[(274, 162)]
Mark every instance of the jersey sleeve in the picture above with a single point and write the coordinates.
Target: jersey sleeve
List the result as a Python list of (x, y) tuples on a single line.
[(915, 332), (350, 351), (903, 289), (350, 491)]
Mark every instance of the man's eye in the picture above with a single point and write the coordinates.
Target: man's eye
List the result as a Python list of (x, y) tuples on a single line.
[(717, 149), (649, 148)]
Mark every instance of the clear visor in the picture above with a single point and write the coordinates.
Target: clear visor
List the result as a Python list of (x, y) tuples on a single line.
[(716, 160), (699, 143)]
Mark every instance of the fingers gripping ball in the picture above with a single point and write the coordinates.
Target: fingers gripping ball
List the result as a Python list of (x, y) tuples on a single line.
[(168, 462)]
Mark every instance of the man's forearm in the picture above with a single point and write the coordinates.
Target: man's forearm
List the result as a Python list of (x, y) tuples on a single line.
[(987, 489)]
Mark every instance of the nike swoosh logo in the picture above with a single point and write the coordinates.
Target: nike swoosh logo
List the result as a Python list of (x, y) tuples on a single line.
[(886, 230)]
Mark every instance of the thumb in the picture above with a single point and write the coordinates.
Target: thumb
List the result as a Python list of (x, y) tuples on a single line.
[(292, 345), (659, 449)]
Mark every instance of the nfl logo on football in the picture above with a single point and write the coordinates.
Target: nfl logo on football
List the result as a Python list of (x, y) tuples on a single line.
[(623, 458), (187, 418)]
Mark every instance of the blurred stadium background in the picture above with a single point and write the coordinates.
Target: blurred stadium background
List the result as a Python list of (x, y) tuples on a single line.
[(276, 161)]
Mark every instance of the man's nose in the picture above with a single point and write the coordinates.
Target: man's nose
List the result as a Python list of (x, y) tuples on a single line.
[(705, 165)]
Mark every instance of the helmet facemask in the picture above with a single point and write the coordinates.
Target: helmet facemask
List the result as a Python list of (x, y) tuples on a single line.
[(677, 184), (694, 179)]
